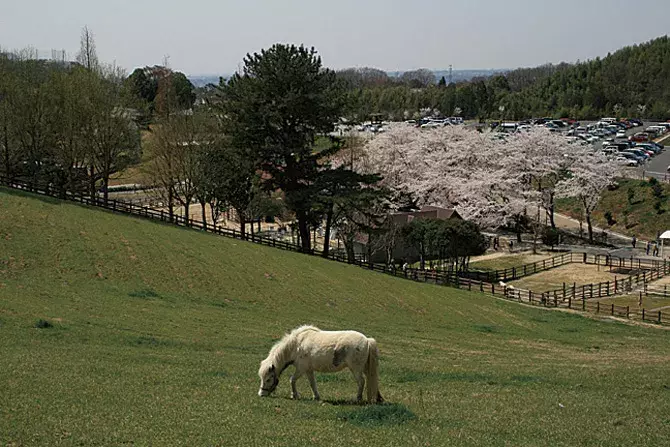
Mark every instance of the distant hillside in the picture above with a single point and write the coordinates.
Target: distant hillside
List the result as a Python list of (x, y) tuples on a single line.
[(457, 75), (633, 81)]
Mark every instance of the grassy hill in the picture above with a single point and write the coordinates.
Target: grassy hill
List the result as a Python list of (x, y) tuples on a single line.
[(158, 332), (635, 216)]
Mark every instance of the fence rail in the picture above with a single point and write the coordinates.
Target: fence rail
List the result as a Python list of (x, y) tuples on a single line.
[(546, 299), (521, 271)]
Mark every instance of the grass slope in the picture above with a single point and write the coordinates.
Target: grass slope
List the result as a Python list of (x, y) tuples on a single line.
[(634, 218), (158, 332)]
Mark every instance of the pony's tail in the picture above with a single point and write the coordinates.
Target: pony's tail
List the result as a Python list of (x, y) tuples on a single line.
[(372, 373)]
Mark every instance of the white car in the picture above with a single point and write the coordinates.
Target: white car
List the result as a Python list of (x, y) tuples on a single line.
[(621, 134), (626, 161)]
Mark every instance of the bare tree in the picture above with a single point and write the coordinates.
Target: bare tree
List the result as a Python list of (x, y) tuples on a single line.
[(87, 56)]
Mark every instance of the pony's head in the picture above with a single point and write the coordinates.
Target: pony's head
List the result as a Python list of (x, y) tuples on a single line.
[(269, 378)]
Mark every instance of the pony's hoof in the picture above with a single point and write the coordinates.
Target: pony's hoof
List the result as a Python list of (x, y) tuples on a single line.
[(295, 396)]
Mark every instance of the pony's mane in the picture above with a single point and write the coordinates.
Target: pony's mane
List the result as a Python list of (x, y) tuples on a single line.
[(280, 351)]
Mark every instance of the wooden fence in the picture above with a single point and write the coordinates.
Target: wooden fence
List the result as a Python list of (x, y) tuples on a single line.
[(656, 291), (514, 273), (119, 206), (571, 300)]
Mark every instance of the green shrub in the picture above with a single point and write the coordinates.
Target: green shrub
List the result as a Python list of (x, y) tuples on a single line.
[(43, 324), (550, 236), (378, 415)]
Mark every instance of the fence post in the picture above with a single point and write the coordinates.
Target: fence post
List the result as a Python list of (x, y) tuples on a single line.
[(612, 308), (643, 314), (563, 290), (627, 311), (659, 317), (598, 307), (569, 303), (583, 304), (513, 272)]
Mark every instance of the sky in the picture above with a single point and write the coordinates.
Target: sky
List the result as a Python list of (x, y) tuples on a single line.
[(210, 37)]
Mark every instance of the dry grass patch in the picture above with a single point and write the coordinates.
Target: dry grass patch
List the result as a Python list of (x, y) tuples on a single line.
[(570, 274), (502, 260)]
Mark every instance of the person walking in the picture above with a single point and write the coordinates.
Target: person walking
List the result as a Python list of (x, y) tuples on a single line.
[(648, 247), (655, 249), (634, 241)]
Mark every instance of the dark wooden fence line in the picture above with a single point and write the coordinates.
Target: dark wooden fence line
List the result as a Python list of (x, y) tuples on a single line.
[(521, 271), (119, 206), (548, 300), (451, 279)]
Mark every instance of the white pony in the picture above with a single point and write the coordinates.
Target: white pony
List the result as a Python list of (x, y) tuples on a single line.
[(310, 349)]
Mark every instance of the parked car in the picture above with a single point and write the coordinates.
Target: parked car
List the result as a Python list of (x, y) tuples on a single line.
[(621, 134), (648, 146), (639, 153), (626, 161), (632, 156), (640, 137)]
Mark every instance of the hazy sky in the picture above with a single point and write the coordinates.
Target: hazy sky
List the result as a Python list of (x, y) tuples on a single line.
[(212, 36)]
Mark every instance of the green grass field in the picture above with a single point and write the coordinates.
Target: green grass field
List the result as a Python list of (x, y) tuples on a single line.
[(158, 333)]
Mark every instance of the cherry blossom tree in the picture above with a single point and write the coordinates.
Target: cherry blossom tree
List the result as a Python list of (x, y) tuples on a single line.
[(587, 180), (491, 178)]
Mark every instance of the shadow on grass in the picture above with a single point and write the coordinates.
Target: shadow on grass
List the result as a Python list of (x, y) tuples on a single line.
[(146, 294), (344, 402), (487, 328), (432, 376), (378, 415), (43, 324)]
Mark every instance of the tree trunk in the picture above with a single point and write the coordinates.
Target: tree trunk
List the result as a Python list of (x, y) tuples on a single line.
[(171, 203), (422, 259), (303, 229), (213, 213), (204, 214), (588, 223), (8, 169), (349, 247), (536, 231), (243, 224), (105, 188), (551, 211), (326, 234), (251, 227), (259, 225), (187, 206), (91, 184)]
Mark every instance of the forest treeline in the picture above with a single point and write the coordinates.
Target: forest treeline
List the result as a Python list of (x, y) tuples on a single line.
[(633, 81)]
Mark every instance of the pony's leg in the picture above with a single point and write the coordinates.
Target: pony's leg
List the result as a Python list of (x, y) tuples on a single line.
[(294, 392), (312, 383), (360, 379)]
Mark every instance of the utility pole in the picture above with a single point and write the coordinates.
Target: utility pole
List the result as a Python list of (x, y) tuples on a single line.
[(451, 74)]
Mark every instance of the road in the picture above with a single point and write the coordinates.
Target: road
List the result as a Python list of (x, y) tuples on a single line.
[(658, 165)]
